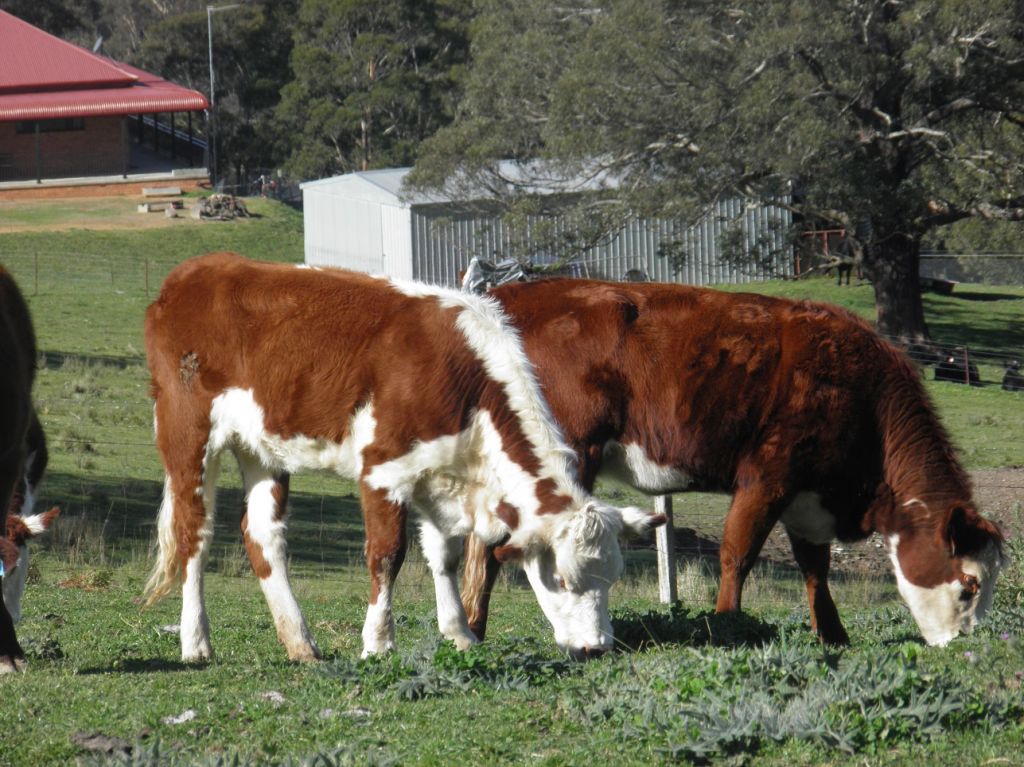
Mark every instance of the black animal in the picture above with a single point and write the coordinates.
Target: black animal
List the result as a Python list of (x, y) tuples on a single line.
[(956, 368), (1013, 379)]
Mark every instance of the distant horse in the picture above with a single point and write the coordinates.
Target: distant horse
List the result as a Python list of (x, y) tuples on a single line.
[(1012, 378), (956, 368), (799, 410)]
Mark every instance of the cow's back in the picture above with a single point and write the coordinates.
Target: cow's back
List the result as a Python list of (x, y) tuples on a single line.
[(311, 345), (698, 376)]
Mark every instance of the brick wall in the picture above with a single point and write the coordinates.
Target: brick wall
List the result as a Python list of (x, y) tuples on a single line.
[(95, 150)]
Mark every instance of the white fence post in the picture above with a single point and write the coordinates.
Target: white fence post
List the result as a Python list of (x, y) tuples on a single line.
[(665, 538)]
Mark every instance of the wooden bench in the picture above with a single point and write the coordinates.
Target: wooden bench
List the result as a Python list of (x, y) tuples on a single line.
[(161, 191)]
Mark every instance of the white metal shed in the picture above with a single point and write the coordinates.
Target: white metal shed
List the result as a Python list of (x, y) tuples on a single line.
[(367, 222)]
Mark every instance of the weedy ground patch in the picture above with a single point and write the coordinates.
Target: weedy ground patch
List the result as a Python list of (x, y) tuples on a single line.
[(105, 684)]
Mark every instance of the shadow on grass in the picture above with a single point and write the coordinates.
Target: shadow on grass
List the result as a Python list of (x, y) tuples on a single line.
[(111, 521), (968, 296), (676, 625), (57, 360), (140, 666)]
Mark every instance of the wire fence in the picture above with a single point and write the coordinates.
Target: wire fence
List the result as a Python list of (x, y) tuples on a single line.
[(93, 398)]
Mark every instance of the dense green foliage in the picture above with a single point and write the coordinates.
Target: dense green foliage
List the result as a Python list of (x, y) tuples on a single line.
[(371, 81), (886, 119)]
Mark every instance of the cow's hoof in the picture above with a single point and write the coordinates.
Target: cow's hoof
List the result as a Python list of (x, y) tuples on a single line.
[(9, 665), (305, 654)]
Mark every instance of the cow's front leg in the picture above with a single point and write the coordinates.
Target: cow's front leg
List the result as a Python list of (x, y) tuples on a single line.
[(12, 657), (263, 530), (814, 560), (385, 552), (442, 555), (751, 517)]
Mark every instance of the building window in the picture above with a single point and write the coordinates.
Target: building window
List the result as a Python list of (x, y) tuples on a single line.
[(51, 126)]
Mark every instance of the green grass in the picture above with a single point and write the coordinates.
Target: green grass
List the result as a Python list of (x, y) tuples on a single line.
[(684, 684)]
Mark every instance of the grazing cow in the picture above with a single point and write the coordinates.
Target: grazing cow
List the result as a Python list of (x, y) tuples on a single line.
[(843, 264), (1012, 378), (799, 410), (17, 371), (422, 394), (957, 368)]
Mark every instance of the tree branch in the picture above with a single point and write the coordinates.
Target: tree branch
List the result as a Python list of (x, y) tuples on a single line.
[(948, 110), (941, 212)]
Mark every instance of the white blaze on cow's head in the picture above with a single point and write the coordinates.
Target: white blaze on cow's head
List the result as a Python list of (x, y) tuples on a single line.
[(19, 530), (571, 562), (947, 575)]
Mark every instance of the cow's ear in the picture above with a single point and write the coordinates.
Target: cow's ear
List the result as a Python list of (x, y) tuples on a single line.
[(638, 521), (968, 532), (509, 553), (40, 523)]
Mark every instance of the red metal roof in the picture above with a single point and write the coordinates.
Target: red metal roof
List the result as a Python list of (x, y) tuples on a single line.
[(43, 77)]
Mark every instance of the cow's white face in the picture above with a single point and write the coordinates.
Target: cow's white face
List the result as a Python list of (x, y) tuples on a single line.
[(14, 584), (572, 576), (945, 610)]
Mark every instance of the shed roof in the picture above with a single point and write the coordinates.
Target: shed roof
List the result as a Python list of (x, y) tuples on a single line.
[(387, 185), (383, 186), (44, 77)]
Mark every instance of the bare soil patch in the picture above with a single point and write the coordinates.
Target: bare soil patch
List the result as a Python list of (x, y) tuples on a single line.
[(999, 494), (88, 212)]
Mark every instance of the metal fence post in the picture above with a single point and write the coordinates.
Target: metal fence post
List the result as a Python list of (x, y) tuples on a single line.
[(665, 540)]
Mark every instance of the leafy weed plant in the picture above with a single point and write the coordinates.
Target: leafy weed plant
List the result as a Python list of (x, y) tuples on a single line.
[(729, 703)]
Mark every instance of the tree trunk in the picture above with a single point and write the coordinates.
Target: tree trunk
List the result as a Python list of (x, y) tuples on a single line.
[(894, 264)]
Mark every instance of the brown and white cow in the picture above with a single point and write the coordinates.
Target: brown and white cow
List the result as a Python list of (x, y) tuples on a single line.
[(799, 410), (422, 394), (17, 372)]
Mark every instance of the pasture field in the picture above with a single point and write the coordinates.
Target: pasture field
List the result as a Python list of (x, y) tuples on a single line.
[(105, 685)]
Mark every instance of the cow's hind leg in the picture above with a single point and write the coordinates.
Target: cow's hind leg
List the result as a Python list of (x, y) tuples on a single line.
[(263, 529), (200, 500), (814, 560), (185, 522), (752, 514), (442, 554), (385, 552)]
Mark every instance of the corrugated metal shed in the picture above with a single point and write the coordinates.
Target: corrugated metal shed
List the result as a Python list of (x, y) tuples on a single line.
[(366, 221)]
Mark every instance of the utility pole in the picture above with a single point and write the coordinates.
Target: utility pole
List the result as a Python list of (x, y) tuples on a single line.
[(210, 10)]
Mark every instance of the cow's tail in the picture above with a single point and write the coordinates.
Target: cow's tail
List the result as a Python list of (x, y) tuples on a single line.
[(166, 573)]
